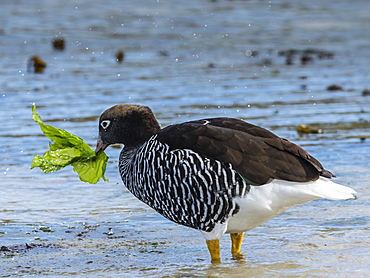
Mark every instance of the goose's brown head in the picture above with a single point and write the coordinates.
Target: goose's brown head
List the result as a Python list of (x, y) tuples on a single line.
[(127, 124)]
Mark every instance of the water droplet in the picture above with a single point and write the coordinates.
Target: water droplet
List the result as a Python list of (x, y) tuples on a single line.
[(248, 53)]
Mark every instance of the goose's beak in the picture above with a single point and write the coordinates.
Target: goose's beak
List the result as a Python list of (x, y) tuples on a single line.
[(100, 145)]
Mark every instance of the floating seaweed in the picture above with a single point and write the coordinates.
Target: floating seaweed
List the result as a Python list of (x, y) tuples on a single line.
[(334, 88), (120, 56), (302, 128), (58, 44), (305, 56), (366, 92), (36, 63)]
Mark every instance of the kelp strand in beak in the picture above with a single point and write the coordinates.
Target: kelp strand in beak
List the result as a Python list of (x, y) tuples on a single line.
[(68, 149)]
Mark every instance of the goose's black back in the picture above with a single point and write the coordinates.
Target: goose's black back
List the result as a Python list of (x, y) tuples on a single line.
[(257, 154)]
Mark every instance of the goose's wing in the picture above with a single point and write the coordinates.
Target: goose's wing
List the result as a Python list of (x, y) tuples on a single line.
[(257, 154)]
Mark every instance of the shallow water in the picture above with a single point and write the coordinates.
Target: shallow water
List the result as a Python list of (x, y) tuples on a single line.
[(186, 61)]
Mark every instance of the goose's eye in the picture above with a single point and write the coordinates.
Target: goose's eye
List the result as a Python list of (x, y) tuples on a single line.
[(104, 124)]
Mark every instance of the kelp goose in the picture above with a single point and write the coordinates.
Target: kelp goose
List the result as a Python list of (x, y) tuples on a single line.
[(218, 175)]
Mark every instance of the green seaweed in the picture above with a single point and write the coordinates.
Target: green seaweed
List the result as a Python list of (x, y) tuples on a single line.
[(68, 149)]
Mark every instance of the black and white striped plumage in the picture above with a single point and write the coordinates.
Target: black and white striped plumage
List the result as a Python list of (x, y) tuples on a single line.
[(182, 185), (215, 175)]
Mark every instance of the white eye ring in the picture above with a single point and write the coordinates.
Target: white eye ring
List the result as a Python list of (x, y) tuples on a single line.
[(104, 124)]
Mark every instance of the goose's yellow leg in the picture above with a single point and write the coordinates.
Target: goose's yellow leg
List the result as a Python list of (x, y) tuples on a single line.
[(236, 244), (214, 250)]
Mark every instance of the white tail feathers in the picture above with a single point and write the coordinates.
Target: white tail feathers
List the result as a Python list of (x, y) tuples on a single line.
[(266, 201), (295, 193), (325, 188), (279, 195)]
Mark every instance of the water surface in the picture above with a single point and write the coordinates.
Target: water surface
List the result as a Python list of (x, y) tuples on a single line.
[(186, 61)]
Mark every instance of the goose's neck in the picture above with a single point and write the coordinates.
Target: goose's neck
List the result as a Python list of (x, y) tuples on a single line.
[(125, 161)]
